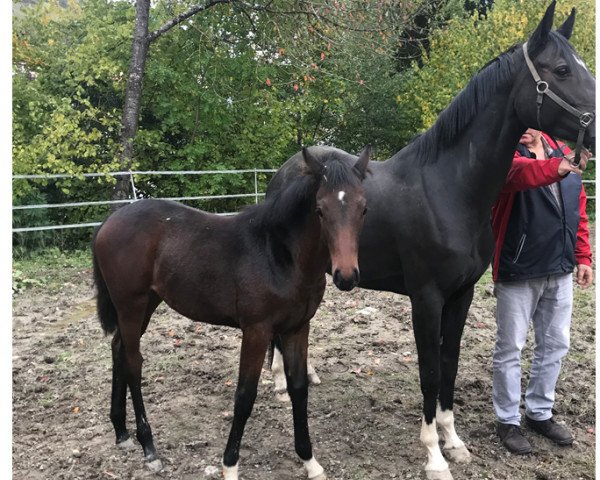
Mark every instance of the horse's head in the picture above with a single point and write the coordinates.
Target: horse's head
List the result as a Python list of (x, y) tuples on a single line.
[(341, 206), (556, 92)]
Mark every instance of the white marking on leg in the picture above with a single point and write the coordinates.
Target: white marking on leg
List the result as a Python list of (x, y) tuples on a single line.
[(312, 375), (127, 445), (279, 376), (430, 438), (454, 447), (313, 469), (230, 473), (341, 195)]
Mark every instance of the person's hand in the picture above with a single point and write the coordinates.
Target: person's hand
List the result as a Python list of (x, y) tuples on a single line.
[(584, 275), (565, 166), (584, 158)]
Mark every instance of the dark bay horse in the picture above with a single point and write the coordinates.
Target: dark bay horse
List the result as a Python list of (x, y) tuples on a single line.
[(428, 232), (262, 271)]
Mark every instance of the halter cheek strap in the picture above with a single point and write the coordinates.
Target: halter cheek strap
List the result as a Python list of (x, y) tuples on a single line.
[(542, 88)]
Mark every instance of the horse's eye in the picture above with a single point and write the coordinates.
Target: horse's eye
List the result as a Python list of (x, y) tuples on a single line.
[(319, 211), (562, 71), (365, 211)]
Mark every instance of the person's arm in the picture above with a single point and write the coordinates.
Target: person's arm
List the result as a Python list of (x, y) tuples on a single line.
[(526, 173), (583, 251)]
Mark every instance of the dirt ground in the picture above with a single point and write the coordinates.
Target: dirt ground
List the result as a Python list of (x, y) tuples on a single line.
[(364, 417)]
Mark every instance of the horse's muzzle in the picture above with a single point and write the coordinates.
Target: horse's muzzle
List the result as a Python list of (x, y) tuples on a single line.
[(346, 283)]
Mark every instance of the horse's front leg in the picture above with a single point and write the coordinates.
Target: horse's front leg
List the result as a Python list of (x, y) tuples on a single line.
[(294, 350), (255, 341), (454, 315), (426, 317)]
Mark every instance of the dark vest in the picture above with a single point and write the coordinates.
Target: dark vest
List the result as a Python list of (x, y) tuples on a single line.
[(541, 233)]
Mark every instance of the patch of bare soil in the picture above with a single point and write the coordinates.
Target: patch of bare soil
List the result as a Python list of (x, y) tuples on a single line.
[(364, 417)]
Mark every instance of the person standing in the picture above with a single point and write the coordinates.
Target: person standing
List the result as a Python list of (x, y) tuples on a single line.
[(541, 230)]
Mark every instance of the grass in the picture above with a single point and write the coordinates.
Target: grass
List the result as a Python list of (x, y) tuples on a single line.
[(50, 268)]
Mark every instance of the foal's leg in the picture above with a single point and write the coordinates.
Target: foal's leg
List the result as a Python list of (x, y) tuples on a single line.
[(119, 394), (426, 317), (295, 349), (279, 375), (132, 324), (254, 345), (453, 322), (119, 382)]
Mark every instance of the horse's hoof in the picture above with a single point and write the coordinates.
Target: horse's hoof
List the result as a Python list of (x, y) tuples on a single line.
[(320, 476), (314, 379), (438, 474), (126, 445), (283, 397), (457, 455), (154, 465)]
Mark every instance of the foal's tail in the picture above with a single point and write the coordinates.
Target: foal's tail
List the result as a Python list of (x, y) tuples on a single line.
[(106, 309)]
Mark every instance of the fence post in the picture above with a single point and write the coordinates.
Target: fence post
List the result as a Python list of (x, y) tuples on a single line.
[(132, 185), (255, 186)]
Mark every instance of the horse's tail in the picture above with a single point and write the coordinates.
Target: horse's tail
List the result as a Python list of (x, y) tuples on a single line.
[(275, 343), (104, 304), (270, 352)]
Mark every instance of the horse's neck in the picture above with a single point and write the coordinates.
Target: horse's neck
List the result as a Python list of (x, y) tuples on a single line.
[(480, 156)]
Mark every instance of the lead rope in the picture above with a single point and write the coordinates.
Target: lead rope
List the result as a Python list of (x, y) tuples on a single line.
[(542, 88)]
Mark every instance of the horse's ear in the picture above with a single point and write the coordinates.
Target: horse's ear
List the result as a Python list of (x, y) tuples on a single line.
[(315, 166), (540, 35), (566, 29), (360, 167)]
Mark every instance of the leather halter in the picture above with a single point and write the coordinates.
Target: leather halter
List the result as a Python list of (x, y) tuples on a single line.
[(542, 88)]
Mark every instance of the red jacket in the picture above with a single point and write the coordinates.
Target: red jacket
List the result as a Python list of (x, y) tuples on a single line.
[(528, 173)]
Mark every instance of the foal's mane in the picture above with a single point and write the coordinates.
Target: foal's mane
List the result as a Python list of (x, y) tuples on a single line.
[(475, 96), (289, 206)]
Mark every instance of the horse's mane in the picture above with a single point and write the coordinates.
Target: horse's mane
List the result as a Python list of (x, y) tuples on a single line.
[(474, 98), (465, 106)]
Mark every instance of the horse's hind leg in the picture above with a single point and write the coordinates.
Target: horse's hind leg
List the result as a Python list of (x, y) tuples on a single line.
[(119, 394), (295, 348), (132, 324), (454, 315), (254, 345)]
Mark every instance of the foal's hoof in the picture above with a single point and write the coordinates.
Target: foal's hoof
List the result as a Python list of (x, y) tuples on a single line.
[(126, 445), (154, 465), (438, 474), (458, 454), (314, 379), (283, 397)]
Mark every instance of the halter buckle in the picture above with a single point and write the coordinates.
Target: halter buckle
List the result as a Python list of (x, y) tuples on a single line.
[(585, 119)]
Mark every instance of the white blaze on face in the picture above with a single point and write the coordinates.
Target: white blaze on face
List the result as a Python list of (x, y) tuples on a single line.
[(579, 61), (341, 195)]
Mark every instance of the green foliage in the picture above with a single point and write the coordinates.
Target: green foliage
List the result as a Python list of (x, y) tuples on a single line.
[(228, 89), (50, 268), (465, 44)]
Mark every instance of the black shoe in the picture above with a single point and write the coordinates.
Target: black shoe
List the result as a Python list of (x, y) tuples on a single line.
[(550, 429), (513, 439)]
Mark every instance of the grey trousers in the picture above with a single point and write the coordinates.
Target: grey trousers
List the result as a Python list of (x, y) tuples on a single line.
[(546, 302)]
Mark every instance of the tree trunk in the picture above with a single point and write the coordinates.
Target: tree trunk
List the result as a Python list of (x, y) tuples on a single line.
[(133, 92), (133, 96)]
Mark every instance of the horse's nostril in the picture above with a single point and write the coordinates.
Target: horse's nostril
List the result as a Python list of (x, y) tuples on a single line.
[(356, 275), (336, 276)]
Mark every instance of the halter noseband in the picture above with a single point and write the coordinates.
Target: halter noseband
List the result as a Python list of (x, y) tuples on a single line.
[(542, 88)]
